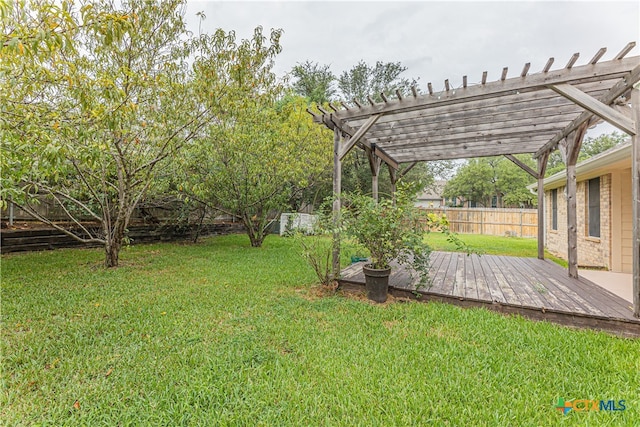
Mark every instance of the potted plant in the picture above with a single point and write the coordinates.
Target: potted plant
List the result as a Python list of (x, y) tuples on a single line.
[(389, 231)]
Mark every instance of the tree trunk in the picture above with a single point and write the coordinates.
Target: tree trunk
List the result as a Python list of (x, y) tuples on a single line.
[(255, 232), (113, 241), (112, 254), (257, 239)]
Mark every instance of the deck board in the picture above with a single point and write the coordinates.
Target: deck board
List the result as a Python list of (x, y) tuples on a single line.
[(482, 288), (437, 271), (449, 280), (548, 290), (535, 288), (471, 281), (495, 290), (511, 297), (526, 294), (458, 284)]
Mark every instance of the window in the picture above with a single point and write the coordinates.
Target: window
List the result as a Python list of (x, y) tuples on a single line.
[(593, 207), (554, 209)]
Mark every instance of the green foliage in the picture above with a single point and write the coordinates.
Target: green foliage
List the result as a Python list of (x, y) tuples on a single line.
[(316, 247), (592, 146), (314, 82), (316, 250), (217, 333), (482, 179), (364, 80), (262, 150), (390, 230), (94, 108)]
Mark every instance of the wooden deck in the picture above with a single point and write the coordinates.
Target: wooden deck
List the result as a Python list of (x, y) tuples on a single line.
[(537, 289)]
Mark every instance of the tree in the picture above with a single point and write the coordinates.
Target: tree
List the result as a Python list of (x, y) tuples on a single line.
[(263, 148), (32, 36), (364, 80), (480, 180), (314, 81), (473, 182), (99, 116), (512, 182)]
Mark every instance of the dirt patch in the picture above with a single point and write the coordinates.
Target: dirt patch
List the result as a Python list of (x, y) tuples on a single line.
[(357, 293), (318, 291)]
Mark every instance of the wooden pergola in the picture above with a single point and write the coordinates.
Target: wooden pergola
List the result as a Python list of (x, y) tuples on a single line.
[(529, 113)]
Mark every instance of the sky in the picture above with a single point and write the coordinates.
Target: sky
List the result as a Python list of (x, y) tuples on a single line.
[(434, 40)]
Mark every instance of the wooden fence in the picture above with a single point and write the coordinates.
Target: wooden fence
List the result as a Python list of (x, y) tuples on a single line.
[(48, 238), (491, 221)]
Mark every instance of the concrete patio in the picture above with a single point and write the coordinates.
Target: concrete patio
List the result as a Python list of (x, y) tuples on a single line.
[(617, 283)]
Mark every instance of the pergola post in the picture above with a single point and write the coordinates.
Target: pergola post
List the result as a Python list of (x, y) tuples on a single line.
[(539, 176), (337, 189), (573, 144), (375, 163), (542, 167), (635, 183), (394, 179), (395, 176), (374, 186)]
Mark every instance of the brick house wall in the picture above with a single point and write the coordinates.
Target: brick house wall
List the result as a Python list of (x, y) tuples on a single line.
[(592, 251)]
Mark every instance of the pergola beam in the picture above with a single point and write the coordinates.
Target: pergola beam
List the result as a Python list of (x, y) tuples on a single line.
[(501, 116), (515, 141), (468, 134), (619, 89), (390, 161), (462, 153), (522, 165), (601, 110), (332, 123), (626, 50), (358, 136), (542, 103), (337, 190)]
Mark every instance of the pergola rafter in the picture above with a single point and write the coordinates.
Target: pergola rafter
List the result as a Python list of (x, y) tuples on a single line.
[(508, 112), (529, 113)]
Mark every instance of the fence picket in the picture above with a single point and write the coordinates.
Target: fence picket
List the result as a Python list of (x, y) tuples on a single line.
[(491, 221)]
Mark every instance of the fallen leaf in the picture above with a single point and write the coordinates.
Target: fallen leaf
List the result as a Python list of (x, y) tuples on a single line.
[(108, 372), (76, 405)]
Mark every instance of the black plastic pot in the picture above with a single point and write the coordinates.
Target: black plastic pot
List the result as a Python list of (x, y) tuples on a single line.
[(376, 283)]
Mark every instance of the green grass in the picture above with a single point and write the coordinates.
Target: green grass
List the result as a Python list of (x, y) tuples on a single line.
[(493, 245), (223, 334)]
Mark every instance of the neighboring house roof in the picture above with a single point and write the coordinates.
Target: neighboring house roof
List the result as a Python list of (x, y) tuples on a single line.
[(618, 156), (434, 191)]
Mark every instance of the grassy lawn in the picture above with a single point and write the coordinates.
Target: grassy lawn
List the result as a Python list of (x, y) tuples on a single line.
[(219, 333)]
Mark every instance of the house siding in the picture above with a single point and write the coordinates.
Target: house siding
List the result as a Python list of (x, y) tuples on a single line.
[(592, 251), (627, 222)]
